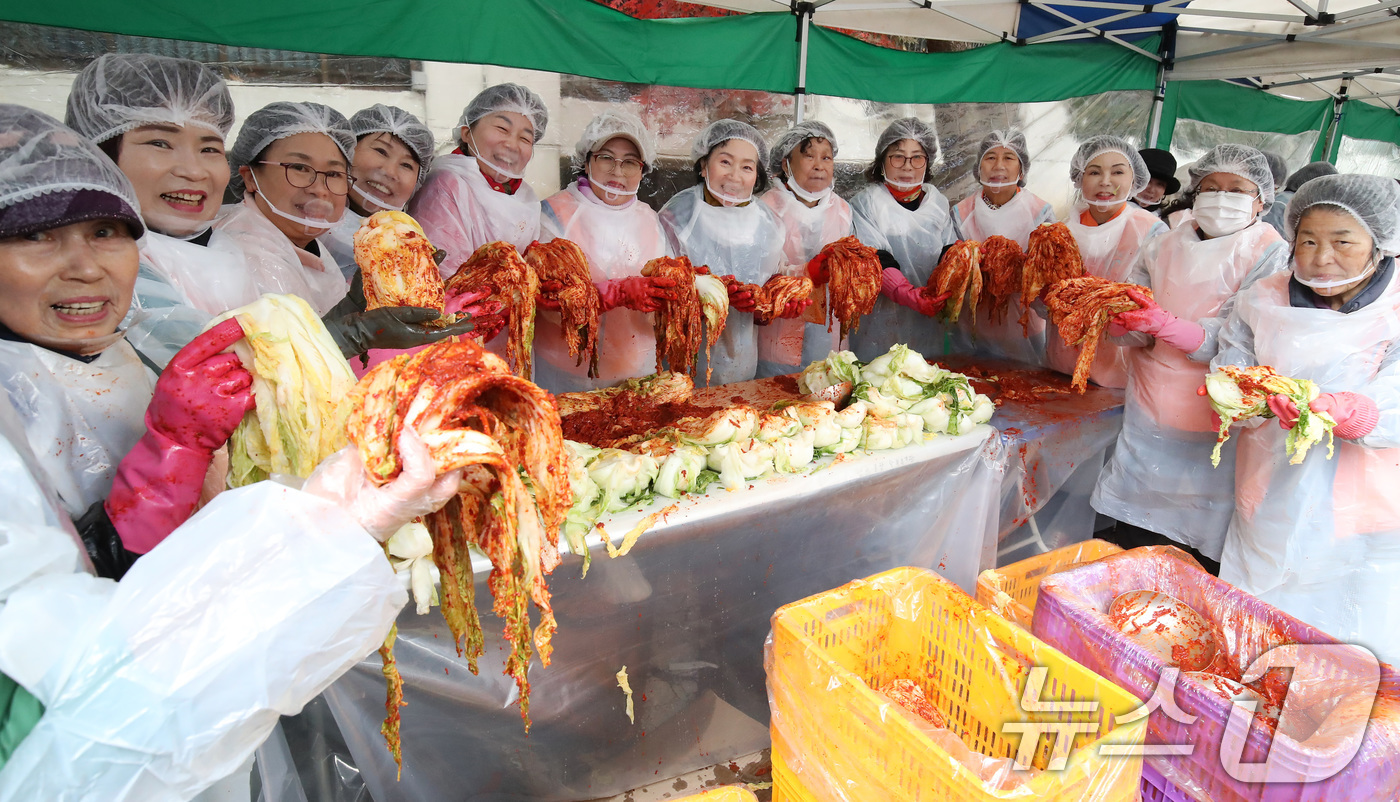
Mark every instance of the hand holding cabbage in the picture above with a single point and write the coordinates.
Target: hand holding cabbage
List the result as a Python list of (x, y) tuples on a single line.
[(1238, 394)]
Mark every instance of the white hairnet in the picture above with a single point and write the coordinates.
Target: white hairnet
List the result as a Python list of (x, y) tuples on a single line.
[(1372, 200), (506, 97), (40, 155), (613, 123), (1278, 167), (1093, 147), (788, 141), (283, 119), (1307, 173), (408, 129), (910, 128), (721, 131), (1008, 138), (1240, 160), (118, 92)]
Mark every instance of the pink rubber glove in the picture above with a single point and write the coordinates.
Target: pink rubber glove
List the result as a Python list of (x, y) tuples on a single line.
[(1284, 409), (487, 316), (1115, 329), (549, 294), (896, 287), (1356, 415), (638, 293), (740, 294), (383, 509), (1182, 335), (199, 400)]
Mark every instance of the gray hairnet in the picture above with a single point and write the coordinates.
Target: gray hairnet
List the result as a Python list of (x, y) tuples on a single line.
[(1278, 167), (613, 123), (910, 128), (1095, 146), (118, 92), (40, 155), (721, 131), (787, 142), (382, 119), (283, 119), (1005, 138), (1307, 173), (506, 97), (1240, 160), (1372, 200)]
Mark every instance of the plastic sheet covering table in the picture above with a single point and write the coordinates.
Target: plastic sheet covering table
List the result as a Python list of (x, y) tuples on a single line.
[(1054, 447), (687, 612)]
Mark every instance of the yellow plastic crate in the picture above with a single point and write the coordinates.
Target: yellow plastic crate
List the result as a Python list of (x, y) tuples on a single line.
[(729, 793), (834, 738), (1012, 589)]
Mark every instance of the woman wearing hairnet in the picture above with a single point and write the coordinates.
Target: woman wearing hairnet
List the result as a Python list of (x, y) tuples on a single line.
[(393, 150), (1321, 540), (902, 214), (717, 224), (1159, 484), (803, 158), (163, 121), (1108, 172), (293, 162), (1003, 207), (600, 212)]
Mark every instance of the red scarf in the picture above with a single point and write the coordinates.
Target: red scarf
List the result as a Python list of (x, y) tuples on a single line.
[(904, 196)]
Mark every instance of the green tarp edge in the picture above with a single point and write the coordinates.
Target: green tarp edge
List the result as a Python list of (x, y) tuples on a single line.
[(1364, 121), (1227, 105), (843, 66), (750, 51)]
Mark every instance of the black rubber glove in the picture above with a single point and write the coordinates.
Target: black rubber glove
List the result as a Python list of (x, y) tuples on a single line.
[(389, 327), (110, 559)]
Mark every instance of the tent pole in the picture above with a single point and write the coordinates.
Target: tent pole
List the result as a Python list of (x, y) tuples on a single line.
[(804, 13), (1334, 130), (1168, 53)]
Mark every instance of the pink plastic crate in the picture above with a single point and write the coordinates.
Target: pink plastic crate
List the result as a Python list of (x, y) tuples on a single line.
[(1070, 615), (1156, 788)]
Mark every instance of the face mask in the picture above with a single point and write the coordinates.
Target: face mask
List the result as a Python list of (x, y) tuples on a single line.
[(1105, 206), (727, 198), (613, 193), (809, 197), (501, 170), (373, 201), (905, 187), (1327, 285), (998, 184), (1222, 213), (312, 226)]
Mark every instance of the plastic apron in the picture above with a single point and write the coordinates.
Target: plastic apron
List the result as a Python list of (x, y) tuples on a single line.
[(1109, 252), (789, 345), (339, 242), (1321, 540), (161, 319), (276, 264), (214, 277), (916, 239), (743, 241), (1160, 477), (618, 242), (79, 418), (460, 212), (1015, 220)]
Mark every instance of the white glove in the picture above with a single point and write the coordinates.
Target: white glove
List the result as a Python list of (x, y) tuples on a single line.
[(382, 509)]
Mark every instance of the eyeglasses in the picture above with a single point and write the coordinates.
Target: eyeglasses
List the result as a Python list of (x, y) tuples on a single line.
[(302, 176), (900, 161), (1251, 193), (627, 167)]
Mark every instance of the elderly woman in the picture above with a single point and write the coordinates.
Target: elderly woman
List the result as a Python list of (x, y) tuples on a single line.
[(599, 211), (717, 223), (1159, 484), (1107, 172), (163, 121), (1002, 207), (803, 159), (902, 214), (1319, 539), (393, 150)]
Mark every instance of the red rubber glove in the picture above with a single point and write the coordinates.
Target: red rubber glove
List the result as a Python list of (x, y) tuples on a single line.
[(896, 287), (817, 270), (795, 308), (1182, 335), (638, 293), (1284, 409), (549, 294), (199, 400), (1356, 415), (740, 294)]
